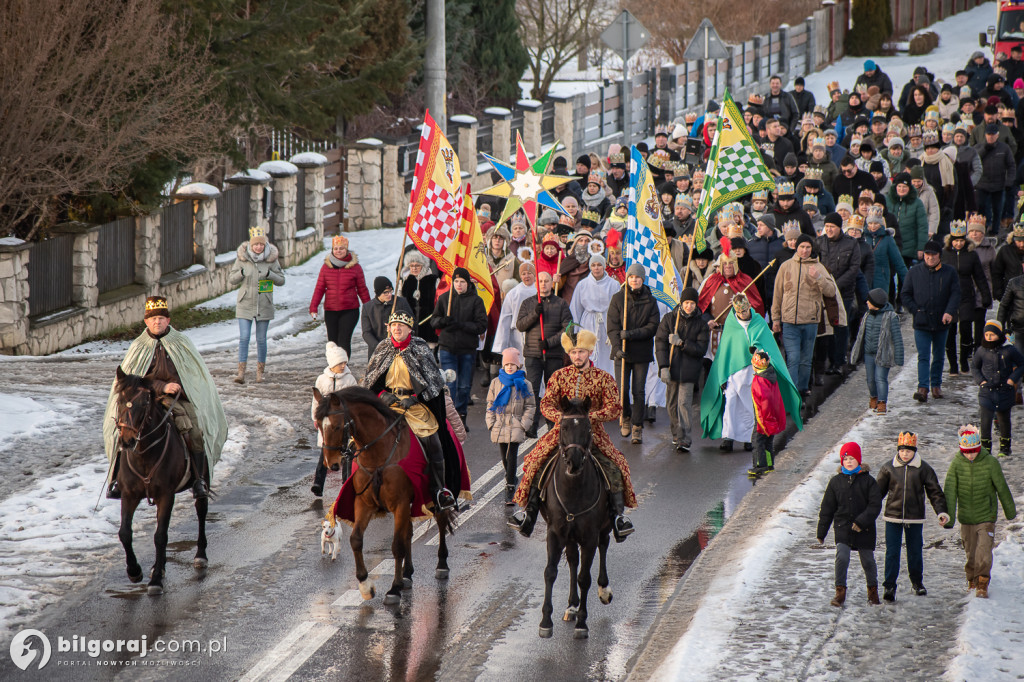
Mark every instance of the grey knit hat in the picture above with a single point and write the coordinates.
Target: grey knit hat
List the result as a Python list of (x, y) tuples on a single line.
[(636, 269)]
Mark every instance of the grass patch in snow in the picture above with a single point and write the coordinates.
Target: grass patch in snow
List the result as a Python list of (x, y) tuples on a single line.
[(181, 319)]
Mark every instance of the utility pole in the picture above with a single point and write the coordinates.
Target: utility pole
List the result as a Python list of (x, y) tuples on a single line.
[(435, 71)]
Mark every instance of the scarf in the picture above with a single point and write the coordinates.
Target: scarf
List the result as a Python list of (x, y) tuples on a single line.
[(403, 345), (517, 381), (594, 200), (850, 471), (255, 257), (338, 263)]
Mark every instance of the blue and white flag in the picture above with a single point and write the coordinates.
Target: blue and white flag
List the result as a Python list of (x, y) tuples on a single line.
[(645, 238)]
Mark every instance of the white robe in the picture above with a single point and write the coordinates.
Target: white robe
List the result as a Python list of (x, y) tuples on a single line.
[(738, 419), (506, 335), (654, 387), (589, 308)]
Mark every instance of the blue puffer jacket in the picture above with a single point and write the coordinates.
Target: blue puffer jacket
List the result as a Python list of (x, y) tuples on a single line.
[(872, 328), (887, 258)]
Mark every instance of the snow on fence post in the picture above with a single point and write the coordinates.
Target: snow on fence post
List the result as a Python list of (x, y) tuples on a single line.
[(14, 257), (465, 144), (531, 124), (311, 165), (284, 187), (363, 165)]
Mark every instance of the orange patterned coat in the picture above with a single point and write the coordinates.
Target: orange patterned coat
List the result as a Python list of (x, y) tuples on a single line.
[(577, 384)]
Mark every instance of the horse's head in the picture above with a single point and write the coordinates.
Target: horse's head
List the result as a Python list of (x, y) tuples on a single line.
[(575, 435), (135, 403), (333, 419)]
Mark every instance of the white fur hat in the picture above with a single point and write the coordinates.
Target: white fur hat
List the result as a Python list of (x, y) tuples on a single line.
[(335, 354)]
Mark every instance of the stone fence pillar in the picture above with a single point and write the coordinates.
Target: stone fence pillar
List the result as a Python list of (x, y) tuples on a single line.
[(363, 166), (257, 182), (147, 252), (204, 222), (565, 126), (85, 290), (311, 165), (501, 132), (284, 188), (531, 124), (395, 202), (14, 257), (465, 144)]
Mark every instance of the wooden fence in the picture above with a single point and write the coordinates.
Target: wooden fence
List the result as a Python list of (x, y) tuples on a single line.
[(177, 250), (49, 275), (115, 258)]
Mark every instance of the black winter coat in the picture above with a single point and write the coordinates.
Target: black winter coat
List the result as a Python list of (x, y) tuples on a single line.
[(972, 278), (556, 318), (642, 318), (1011, 307), (841, 257), (929, 294), (906, 484), (994, 366), (1005, 266), (794, 213), (419, 294), (861, 181), (849, 499), (686, 359), (997, 166), (459, 332)]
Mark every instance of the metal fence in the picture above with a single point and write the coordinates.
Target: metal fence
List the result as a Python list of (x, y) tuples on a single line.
[(233, 218), (115, 259), (49, 275), (176, 237), (287, 144)]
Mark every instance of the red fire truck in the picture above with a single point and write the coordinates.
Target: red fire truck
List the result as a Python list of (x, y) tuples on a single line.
[(1009, 28)]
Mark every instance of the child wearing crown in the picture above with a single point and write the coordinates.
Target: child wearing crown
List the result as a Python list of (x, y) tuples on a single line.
[(906, 481), (769, 411), (973, 484)]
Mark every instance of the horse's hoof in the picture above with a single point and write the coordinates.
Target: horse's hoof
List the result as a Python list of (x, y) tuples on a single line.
[(605, 594), (135, 577), (366, 590), (441, 573), (154, 590), (545, 632), (200, 562), (570, 613), (406, 583), (580, 633), (391, 599)]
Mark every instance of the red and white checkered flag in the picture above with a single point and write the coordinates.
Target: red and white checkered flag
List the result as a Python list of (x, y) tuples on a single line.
[(435, 209)]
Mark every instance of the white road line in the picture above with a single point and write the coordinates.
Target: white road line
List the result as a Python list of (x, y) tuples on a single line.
[(466, 516), (313, 640), (279, 653)]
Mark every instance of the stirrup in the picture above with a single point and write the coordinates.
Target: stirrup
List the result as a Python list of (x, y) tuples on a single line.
[(622, 527), (199, 491), (114, 491), (444, 499)]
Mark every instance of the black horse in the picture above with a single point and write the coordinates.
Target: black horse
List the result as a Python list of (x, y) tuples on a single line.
[(575, 508), (154, 466)]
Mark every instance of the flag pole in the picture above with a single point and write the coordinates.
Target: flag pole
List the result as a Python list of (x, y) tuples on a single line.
[(558, 271), (770, 264), (622, 370), (398, 272)]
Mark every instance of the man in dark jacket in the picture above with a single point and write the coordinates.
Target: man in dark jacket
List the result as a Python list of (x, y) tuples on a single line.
[(763, 248), (874, 76), (460, 327), (1011, 310), (787, 209), (931, 294), (1008, 261), (542, 346), (840, 254), (803, 97), (906, 480), (778, 103), (680, 345), (631, 330), (996, 166), (920, 76), (374, 318), (852, 180), (776, 141)]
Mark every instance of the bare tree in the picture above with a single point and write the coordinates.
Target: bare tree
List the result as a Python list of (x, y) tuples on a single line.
[(554, 32), (89, 91)]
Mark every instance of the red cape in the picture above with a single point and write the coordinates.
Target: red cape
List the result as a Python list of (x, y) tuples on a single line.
[(769, 410), (737, 284)]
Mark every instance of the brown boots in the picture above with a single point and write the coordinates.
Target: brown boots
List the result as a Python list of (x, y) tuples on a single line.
[(840, 596), (972, 584), (638, 435), (872, 403), (921, 395), (873, 594), (936, 392), (880, 407), (240, 378), (982, 590), (624, 426), (260, 368)]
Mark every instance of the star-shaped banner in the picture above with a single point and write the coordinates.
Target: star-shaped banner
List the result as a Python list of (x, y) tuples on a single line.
[(526, 185)]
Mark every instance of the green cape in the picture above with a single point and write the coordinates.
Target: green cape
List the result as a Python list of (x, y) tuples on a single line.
[(195, 379), (732, 356)]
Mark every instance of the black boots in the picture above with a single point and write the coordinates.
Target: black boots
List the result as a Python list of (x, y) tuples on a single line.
[(525, 519), (1004, 447), (435, 459), (199, 489), (319, 477), (114, 489), (621, 525)]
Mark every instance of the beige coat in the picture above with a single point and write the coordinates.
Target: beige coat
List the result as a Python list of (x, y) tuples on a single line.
[(509, 426), (799, 288)]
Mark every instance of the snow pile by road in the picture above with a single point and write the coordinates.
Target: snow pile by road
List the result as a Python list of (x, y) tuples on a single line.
[(24, 417)]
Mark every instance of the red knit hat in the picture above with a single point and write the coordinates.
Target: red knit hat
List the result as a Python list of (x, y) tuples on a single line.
[(850, 449)]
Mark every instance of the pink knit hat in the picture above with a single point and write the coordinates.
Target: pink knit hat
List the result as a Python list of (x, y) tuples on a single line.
[(511, 355), (1019, 83)]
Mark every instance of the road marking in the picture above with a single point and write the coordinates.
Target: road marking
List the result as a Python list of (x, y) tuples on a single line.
[(279, 655)]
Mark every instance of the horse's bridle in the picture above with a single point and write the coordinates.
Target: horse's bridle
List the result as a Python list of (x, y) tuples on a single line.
[(134, 447), (348, 436), (588, 457)]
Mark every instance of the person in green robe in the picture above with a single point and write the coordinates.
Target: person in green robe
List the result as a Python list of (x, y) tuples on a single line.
[(171, 362)]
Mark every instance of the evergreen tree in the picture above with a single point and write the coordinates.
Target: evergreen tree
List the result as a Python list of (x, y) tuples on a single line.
[(499, 58), (872, 27)]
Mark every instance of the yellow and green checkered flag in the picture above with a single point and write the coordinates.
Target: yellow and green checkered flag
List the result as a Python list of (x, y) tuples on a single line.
[(735, 168)]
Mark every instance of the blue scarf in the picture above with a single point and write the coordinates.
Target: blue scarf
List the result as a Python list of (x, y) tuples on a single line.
[(850, 471), (515, 380)]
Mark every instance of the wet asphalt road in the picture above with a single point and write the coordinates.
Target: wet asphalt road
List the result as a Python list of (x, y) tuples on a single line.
[(275, 606)]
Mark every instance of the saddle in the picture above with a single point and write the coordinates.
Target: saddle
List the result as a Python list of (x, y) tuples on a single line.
[(545, 473)]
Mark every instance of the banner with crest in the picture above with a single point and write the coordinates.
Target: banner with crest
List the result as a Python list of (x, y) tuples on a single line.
[(646, 242)]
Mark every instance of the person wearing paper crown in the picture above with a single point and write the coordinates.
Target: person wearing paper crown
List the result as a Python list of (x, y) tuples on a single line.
[(616, 265), (256, 271), (403, 372), (726, 404), (769, 412), (178, 375), (997, 368), (579, 380), (718, 289), (974, 487), (959, 254)]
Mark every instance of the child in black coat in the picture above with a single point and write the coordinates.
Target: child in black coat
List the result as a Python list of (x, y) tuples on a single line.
[(997, 367), (851, 503)]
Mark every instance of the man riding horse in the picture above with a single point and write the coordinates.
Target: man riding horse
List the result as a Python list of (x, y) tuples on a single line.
[(402, 370), (178, 374), (577, 381)]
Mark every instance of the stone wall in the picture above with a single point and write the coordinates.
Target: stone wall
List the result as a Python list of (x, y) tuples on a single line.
[(363, 184)]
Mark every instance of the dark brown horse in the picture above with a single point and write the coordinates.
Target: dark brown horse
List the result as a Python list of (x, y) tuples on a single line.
[(354, 422), (154, 466), (575, 508)]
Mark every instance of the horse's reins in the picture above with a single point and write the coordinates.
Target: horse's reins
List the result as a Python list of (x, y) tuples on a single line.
[(146, 480), (348, 436), (571, 516)]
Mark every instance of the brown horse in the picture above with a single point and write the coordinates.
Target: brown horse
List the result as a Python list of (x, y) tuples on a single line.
[(355, 423), (154, 466)]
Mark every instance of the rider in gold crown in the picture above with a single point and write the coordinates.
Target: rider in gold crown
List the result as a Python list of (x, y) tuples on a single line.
[(577, 381)]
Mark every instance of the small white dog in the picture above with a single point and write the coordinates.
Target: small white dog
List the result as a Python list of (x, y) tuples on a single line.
[(330, 536)]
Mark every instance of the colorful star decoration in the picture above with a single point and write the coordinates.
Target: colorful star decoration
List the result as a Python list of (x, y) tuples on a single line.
[(526, 185)]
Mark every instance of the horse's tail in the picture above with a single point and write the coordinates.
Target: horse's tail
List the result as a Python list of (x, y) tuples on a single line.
[(447, 520)]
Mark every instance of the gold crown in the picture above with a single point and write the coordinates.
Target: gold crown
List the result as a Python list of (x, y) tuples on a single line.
[(755, 100), (958, 229), (785, 188), (914, 131), (790, 225), (690, 118), (907, 439), (661, 130), (617, 158), (740, 303), (833, 86), (564, 219), (760, 195), (156, 303), (970, 438), (844, 199), (256, 232), (760, 360), (975, 220), (811, 200), (596, 177), (813, 173), (819, 142), (657, 161), (403, 317), (590, 216), (856, 222), (876, 211)]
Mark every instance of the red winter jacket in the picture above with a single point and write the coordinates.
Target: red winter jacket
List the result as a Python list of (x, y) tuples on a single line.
[(340, 288)]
